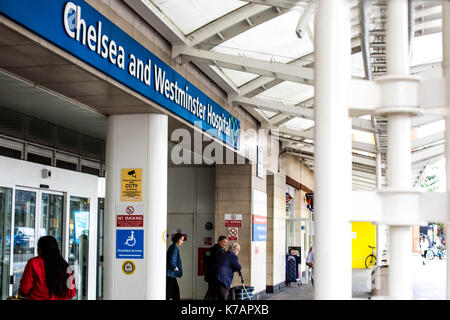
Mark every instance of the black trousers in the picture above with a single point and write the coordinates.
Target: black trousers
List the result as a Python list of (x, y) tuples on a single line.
[(222, 291), (211, 294), (172, 289), (216, 291)]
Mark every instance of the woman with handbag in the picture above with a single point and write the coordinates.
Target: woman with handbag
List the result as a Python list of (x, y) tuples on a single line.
[(47, 276)]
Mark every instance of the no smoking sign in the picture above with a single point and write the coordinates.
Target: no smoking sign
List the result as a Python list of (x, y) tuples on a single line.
[(232, 234)]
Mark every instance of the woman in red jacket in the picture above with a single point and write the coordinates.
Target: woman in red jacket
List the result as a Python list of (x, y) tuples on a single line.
[(47, 276)]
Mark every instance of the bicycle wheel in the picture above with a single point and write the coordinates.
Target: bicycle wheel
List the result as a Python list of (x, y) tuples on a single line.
[(371, 261)]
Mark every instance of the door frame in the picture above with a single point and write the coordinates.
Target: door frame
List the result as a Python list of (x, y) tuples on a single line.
[(37, 222)]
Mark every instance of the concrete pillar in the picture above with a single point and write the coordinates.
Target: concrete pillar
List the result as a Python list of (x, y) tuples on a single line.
[(332, 159), (276, 231), (136, 176)]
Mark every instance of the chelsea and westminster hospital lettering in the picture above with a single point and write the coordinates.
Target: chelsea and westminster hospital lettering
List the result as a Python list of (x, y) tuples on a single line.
[(92, 37)]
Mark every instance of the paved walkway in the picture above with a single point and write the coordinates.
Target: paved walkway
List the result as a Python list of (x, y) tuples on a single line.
[(360, 288), (429, 283)]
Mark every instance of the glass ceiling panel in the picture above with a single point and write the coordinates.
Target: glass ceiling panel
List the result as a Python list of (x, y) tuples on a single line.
[(274, 40), (189, 15), (363, 136), (427, 49), (299, 124), (268, 113), (430, 129), (288, 92), (237, 77), (358, 65)]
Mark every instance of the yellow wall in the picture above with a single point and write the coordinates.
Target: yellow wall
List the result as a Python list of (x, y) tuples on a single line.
[(363, 234)]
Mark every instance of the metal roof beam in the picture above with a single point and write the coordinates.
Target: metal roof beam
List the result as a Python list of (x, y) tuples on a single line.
[(278, 3), (256, 66), (158, 20), (232, 24), (274, 106), (302, 134), (366, 147), (368, 161), (428, 153), (425, 119), (261, 84), (431, 139)]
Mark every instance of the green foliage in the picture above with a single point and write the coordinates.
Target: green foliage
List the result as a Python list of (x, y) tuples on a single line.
[(430, 183)]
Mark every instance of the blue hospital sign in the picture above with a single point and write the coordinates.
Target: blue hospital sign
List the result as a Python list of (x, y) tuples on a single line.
[(129, 244), (82, 31)]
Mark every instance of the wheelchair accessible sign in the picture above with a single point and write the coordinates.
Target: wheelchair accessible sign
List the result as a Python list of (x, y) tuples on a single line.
[(129, 244)]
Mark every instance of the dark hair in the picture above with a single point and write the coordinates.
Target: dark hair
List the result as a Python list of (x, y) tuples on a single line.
[(176, 237), (56, 273), (221, 238)]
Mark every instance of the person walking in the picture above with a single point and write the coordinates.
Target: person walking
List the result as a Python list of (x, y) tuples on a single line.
[(174, 268), (310, 263), (424, 244), (221, 273), (47, 276), (216, 251)]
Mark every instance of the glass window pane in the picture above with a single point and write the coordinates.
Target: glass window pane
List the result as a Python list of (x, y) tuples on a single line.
[(189, 15), (5, 239), (24, 233), (79, 243), (274, 40), (51, 216)]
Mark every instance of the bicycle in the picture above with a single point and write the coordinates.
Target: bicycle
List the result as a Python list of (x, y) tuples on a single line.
[(371, 259), (436, 252)]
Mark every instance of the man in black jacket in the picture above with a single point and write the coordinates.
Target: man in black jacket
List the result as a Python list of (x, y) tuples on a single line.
[(216, 251)]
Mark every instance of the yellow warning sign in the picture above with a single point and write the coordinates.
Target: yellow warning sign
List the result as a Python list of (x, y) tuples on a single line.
[(131, 185)]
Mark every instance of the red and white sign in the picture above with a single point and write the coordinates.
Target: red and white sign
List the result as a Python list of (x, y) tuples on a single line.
[(130, 209), (126, 221), (233, 220), (232, 234), (259, 219)]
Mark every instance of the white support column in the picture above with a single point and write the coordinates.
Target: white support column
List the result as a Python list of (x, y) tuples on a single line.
[(156, 207), (137, 141), (378, 226), (333, 160), (399, 145), (446, 69)]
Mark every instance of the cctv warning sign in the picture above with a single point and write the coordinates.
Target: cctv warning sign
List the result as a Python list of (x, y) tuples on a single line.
[(131, 189)]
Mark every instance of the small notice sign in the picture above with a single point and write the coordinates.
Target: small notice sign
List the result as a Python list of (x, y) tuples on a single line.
[(130, 221), (232, 234), (131, 185), (233, 220)]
